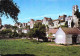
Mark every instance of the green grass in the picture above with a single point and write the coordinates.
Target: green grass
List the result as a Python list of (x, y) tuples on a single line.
[(20, 46)]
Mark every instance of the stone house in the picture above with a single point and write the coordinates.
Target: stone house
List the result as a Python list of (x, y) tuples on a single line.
[(48, 21), (62, 17), (28, 24), (45, 21), (24, 25), (67, 36), (56, 23), (51, 34), (19, 25), (25, 30), (69, 21), (32, 22), (38, 21)]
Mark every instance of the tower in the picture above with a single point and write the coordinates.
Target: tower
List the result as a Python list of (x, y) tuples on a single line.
[(74, 17), (75, 8)]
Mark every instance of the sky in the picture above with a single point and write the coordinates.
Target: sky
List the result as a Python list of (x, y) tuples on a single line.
[(38, 9)]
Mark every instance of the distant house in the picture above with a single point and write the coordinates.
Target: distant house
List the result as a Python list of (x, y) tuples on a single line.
[(67, 36), (24, 25), (19, 25), (25, 30), (28, 23), (32, 22), (51, 34), (56, 23), (47, 21), (62, 17), (52, 31), (69, 21), (37, 21)]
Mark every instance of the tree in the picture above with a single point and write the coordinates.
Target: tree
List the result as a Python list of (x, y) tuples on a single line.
[(8, 26), (8, 7), (50, 34), (47, 28), (6, 32), (27, 27), (14, 27), (14, 34), (31, 33), (38, 31)]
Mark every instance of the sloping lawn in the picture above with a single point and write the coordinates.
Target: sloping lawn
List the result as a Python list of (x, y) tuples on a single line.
[(28, 47)]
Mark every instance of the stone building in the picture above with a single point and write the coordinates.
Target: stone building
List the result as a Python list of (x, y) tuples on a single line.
[(62, 18), (67, 36), (68, 20), (75, 19), (48, 21), (24, 25), (37, 21), (56, 23), (19, 25), (32, 22)]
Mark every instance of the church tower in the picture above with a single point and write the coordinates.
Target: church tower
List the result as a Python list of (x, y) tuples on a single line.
[(74, 17)]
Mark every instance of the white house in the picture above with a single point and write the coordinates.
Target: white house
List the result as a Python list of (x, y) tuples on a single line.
[(32, 22), (48, 21), (28, 23), (45, 21), (56, 23), (25, 30), (24, 25), (19, 25), (67, 36)]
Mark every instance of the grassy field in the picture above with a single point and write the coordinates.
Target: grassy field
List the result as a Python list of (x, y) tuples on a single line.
[(33, 48)]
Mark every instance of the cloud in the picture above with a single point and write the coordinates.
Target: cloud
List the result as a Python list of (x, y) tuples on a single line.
[(53, 16)]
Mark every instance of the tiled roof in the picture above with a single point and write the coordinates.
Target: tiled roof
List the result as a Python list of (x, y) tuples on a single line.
[(38, 21), (61, 16), (71, 30), (52, 31), (59, 20), (55, 20), (32, 19), (47, 18)]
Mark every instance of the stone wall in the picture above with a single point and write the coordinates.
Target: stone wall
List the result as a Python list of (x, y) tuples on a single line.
[(69, 39), (78, 38)]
